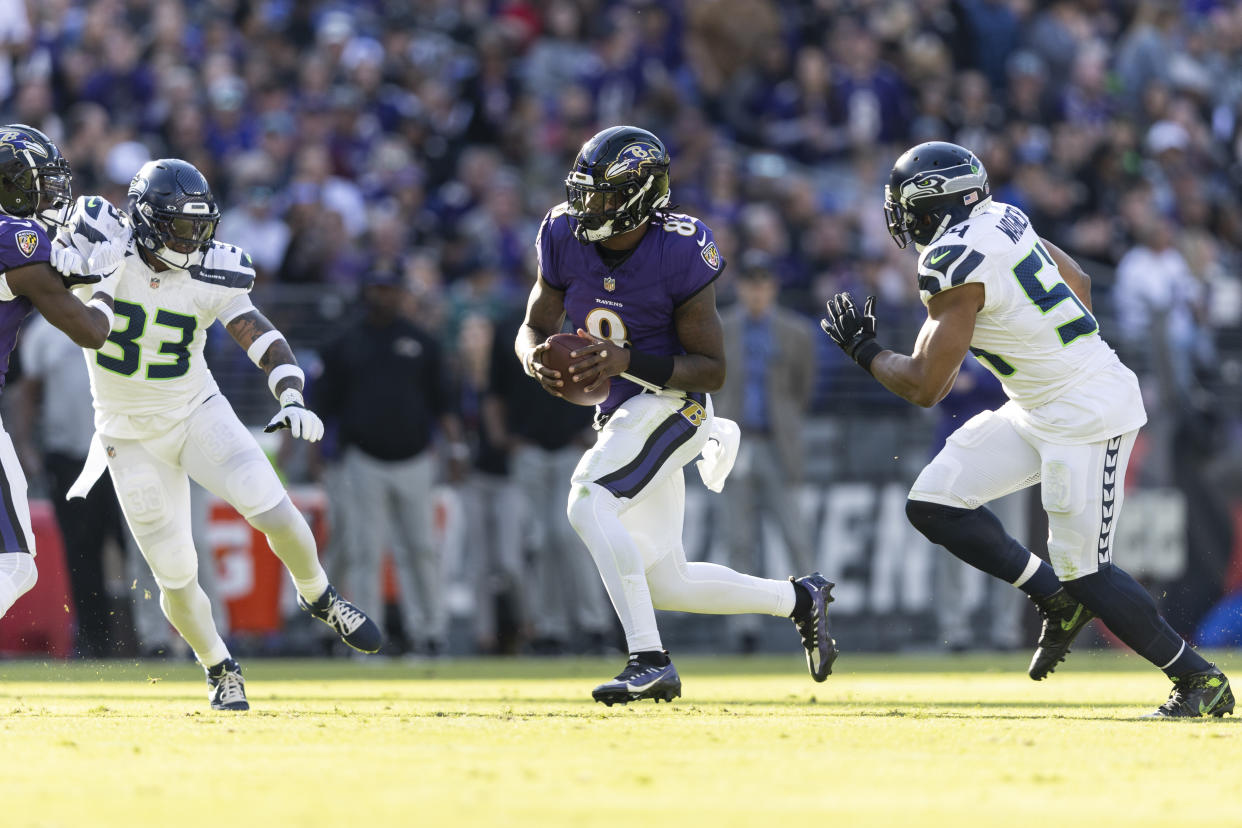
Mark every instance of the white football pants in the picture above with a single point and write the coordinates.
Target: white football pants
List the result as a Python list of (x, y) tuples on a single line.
[(1082, 489), (627, 503), (151, 478)]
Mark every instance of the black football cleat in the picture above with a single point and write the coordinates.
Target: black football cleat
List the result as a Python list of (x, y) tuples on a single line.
[(225, 686), (821, 649), (350, 623), (640, 680), (1064, 619), (1199, 694)]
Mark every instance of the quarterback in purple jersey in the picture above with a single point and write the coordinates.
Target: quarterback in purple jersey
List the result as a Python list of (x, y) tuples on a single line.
[(638, 280), (35, 194)]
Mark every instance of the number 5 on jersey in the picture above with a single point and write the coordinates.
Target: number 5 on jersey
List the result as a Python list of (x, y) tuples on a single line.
[(1027, 273), (127, 364)]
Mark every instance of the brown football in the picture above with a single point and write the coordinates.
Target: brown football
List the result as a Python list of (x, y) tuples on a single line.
[(557, 358)]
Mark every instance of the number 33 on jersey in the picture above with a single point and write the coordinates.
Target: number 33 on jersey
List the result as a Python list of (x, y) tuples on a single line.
[(152, 363)]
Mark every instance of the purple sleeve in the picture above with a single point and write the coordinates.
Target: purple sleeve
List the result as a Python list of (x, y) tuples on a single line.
[(545, 252), (701, 264), (22, 243)]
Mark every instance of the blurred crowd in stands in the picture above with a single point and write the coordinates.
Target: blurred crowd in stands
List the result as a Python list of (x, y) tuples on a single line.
[(427, 138)]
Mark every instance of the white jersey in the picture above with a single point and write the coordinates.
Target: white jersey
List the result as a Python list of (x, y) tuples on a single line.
[(1065, 383), (151, 373)]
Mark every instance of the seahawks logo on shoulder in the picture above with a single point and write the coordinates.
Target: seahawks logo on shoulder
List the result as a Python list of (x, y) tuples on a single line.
[(633, 158)]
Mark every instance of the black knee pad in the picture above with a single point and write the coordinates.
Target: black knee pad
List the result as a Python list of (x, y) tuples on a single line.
[(932, 519)]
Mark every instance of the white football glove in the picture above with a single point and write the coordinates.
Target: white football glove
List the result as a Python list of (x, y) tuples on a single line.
[(68, 261), (105, 258), (105, 261), (295, 416), (88, 276)]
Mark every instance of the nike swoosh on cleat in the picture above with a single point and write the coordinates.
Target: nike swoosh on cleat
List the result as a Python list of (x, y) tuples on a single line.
[(1204, 708), (1069, 625), (639, 688)]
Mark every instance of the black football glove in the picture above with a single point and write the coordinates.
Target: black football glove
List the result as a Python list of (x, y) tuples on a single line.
[(852, 331)]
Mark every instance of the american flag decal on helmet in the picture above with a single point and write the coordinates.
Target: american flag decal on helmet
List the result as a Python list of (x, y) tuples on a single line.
[(27, 242)]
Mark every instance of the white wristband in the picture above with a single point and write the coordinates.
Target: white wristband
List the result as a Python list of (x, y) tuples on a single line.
[(259, 347), (102, 306), (282, 371)]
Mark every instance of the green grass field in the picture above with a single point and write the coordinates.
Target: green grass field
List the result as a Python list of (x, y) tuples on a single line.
[(887, 740)]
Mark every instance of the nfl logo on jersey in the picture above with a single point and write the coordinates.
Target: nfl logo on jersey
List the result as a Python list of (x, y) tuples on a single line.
[(154, 282), (610, 284)]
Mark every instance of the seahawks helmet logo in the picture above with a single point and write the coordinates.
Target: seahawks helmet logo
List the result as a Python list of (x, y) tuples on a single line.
[(962, 178), (632, 159)]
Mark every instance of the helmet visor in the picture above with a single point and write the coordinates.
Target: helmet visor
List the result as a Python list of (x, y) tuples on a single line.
[(592, 206), (185, 234)]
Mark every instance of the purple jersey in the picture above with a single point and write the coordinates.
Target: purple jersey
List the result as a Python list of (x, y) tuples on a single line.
[(634, 302), (22, 242)]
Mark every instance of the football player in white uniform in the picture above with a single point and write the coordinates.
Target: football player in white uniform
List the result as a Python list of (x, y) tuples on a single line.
[(993, 288), (160, 418)]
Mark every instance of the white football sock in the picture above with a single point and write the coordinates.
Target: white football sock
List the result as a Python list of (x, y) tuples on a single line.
[(189, 610), (17, 576), (293, 542), (594, 515), (711, 588)]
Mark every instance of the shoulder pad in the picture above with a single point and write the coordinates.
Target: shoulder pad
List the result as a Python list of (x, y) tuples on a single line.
[(225, 265), (95, 220), (693, 237), (556, 218), (945, 265)]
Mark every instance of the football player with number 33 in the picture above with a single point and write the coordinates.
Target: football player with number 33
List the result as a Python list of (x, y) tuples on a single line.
[(993, 288), (160, 418), (637, 280)]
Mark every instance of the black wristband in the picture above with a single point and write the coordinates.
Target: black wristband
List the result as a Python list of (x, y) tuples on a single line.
[(867, 352), (652, 368)]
